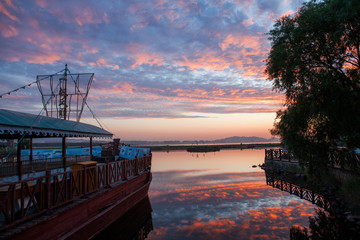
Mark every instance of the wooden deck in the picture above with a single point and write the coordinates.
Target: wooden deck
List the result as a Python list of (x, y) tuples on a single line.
[(35, 207)]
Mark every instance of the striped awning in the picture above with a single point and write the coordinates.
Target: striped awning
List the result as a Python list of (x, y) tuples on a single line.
[(16, 124)]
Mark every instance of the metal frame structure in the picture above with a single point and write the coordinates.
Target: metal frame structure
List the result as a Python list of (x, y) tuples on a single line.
[(61, 94)]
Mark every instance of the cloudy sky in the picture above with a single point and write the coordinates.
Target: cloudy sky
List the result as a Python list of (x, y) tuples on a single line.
[(164, 70)]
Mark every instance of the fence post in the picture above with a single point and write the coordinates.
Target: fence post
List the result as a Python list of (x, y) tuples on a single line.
[(136, 166), (107, 172), (272, 154), (123, 162), (48, 190), (280, 154), (313, 197), (84, 181)]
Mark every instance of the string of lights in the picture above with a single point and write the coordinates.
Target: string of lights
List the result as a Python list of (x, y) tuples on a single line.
[(25, 86), (17, 89)]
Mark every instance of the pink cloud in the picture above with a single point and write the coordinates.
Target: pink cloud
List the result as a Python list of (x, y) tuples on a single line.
[(141, 56), (42, 3), (8, 31), (4, 11)]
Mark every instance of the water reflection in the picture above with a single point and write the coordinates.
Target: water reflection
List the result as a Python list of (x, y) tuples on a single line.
[(332, 224), (135, 224), (332, 220), (220, 196), (300, 191)]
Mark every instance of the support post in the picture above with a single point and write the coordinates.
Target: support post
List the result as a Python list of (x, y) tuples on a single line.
[(19, 162), (64, 152), (31, 150)]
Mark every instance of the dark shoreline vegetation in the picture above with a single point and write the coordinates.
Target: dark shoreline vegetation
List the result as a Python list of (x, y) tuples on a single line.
[(314, 60)]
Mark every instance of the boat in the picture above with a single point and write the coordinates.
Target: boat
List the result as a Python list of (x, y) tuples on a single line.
[(203, 148), (70, 193)]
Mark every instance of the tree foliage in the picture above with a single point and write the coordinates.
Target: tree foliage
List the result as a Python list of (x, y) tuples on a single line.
[(315, 60)]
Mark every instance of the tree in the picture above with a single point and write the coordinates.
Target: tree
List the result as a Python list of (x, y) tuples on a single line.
[(315, 60)]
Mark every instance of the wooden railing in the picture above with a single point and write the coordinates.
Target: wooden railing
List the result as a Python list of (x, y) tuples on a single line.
[(339, 158), (41, 164), (23, 200), (299, 191), (344, 159), (279, 154)]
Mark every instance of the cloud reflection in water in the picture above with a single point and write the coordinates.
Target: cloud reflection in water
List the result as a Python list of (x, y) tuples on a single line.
[(200, 204)]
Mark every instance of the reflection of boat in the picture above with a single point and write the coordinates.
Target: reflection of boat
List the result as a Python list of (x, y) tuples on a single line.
[(204, 148), (134, 224)]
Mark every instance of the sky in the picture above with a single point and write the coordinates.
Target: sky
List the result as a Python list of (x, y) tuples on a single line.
[(164, 70)]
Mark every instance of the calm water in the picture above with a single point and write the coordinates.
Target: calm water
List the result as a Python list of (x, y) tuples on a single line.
[(219, 196)]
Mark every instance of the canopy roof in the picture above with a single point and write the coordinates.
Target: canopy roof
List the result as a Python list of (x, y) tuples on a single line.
[(16, 124)]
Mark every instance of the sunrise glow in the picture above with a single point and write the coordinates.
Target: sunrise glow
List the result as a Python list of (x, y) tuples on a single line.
[(164, 70)]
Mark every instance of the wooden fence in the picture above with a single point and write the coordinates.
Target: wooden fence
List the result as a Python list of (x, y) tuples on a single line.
[(279, 154), (23, 200), (8, 169), (340, 158)]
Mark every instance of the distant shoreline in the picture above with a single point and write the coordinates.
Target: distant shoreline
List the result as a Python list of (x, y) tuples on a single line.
[(221, 146), (169, 147)]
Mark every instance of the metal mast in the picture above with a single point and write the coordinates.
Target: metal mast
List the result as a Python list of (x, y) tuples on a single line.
[(60, 91), (63, 95)]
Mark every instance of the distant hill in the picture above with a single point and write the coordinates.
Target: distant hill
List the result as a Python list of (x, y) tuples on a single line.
[(252, 139)]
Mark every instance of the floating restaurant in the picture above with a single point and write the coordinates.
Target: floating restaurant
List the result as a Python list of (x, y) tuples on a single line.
[(67, 196)]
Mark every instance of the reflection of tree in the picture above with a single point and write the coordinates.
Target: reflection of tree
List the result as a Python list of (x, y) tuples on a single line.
[(332, 224), (331, 221)]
